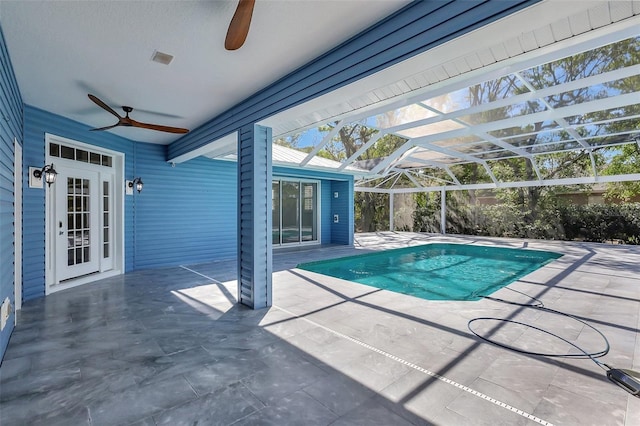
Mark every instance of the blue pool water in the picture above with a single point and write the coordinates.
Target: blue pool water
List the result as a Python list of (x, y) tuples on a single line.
[(437, 271)]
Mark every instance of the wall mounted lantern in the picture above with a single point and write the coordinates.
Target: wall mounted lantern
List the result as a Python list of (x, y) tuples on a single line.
[(46, 174), (137, 183)]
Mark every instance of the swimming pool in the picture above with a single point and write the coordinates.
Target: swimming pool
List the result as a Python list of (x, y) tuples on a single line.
[(437, 271)]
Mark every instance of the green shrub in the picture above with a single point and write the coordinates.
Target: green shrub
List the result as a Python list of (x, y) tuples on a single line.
[(601, 223), (595, 223)]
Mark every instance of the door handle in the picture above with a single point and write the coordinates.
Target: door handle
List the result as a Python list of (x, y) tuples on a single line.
[(60, 226)]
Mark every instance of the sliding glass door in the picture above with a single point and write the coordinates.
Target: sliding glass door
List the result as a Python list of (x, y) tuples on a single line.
[(295, 212), (290, 201), (275, 212), (309, 228)]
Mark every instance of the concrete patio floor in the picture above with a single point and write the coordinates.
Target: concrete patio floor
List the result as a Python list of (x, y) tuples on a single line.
[(170, 346)]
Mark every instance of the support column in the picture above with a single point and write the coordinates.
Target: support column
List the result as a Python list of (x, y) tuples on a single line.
[(254, 216), (443, 211), (391, 212)]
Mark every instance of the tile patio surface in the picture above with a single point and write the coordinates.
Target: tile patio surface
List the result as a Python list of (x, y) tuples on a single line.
[(170, 346)]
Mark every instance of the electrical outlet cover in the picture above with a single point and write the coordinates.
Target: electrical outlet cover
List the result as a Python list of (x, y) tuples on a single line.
[(5, 311)]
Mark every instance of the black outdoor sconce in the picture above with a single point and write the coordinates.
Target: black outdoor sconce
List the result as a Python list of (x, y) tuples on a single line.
[(137, 182), (47, 173)]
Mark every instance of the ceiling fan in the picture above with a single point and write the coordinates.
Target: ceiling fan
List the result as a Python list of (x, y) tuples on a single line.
[(239, 26), (130, 122)]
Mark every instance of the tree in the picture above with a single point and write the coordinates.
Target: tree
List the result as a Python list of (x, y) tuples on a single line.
[(621, 159), (626, 161), (371, 209), (290, 141), (546, 136)]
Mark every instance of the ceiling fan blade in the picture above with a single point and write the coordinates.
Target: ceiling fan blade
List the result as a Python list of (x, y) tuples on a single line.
[(239, 26), (103, 105), (129, 122), (157, 127), (106, 128)]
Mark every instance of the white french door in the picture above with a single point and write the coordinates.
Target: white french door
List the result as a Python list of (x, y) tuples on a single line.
[(77, 222)]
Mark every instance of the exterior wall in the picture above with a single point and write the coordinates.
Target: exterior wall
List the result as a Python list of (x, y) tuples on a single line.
[(326, 221), (581, 199), (594, 196), (185, 214), (10, 129), (342, 206)]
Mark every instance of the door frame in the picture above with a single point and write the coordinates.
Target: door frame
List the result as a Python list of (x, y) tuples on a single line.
[(17, 226), (118, 161), (318, 207)]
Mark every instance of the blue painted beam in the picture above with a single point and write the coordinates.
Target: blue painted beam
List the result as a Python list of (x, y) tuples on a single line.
[(414, 29)]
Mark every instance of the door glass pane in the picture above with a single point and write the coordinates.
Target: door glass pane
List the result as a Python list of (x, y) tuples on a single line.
[(68, 153), (54, 150), (309, 212), (290, 212), (82, 155), (106, 203), (78, 241), (275, 197)]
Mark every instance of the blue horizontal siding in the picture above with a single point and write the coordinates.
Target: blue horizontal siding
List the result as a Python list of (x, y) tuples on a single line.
[(11, 129), (342, 232), (184, 214), (325, 212), (418, 27), (308, 173)]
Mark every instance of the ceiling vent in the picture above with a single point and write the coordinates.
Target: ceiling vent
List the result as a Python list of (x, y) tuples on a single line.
[(162, 58)]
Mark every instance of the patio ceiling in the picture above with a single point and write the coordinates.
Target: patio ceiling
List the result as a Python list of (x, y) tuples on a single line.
[(440, 127), (63, 50)]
